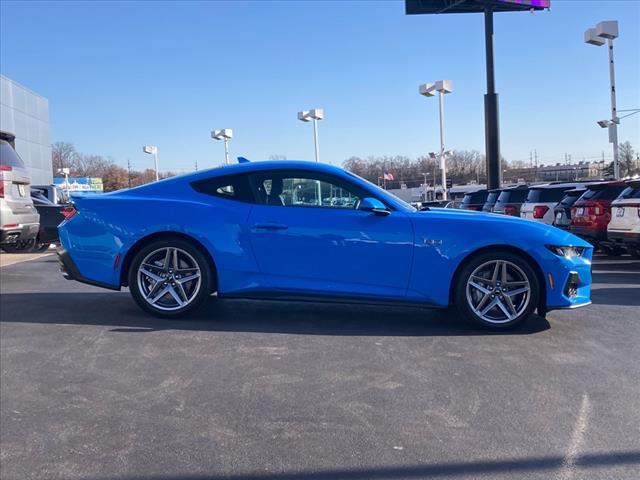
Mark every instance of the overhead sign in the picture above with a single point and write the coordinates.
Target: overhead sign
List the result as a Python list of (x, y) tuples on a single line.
[(79, 184), (417, 7)]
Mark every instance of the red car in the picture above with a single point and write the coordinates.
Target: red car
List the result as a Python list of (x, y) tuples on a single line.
[(591, 213)]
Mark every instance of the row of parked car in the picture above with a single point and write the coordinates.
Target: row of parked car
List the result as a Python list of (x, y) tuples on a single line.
[(605, 213), (29, 215)]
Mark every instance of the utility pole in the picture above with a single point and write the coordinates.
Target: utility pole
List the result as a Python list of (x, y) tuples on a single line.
[(196, 165), (535, 156), (129, 171)]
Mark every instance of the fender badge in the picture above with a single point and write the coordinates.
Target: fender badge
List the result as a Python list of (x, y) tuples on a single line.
[(428, 241)]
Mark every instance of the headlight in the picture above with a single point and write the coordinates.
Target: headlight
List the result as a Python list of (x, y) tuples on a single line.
[(566, 251)]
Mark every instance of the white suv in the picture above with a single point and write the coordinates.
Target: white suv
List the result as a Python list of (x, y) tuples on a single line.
[(624, 227), (541, 200)]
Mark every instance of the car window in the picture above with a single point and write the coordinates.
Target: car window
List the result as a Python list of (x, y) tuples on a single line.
[(512, 196), (232, 187), (304, 189), (630, 192), (475, 197), (492, 197), (8, 156), (570, 198), (545, 195), (605, 193)]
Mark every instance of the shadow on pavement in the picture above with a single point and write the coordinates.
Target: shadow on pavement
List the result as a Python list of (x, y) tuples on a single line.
[(475, 468), (119, 311), (616, 296)]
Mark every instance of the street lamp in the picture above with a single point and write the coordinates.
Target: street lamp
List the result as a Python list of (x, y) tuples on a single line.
[(314, 114), (225, 134), (428, 90), (65, 171), (605, 32), (152, 150)]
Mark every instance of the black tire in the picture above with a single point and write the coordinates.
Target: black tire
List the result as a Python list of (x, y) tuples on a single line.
[(523, 307), (613, 251), (40, 247), (635, 253), (187, 253)]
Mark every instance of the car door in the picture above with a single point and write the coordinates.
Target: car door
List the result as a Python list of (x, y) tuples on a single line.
[(309, 237)]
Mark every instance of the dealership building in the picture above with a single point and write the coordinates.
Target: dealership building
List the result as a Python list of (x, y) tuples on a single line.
[(24, 120)]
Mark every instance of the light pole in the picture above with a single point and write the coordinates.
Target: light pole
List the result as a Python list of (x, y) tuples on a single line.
[(152, 150), (225, 134), (428, 90), (314, 114), (65, 171), (605, 32)]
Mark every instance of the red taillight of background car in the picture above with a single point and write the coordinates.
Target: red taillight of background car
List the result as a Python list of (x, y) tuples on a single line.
[(539, 211), (68, 212), (595, 215), (5, 168), (473, 207), (511, 210)]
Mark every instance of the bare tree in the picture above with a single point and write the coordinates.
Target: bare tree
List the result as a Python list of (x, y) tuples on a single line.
[(626, 154)]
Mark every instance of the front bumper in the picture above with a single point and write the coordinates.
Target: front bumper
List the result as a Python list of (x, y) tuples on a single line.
[(567, 280), (25, 231), (70, 271)]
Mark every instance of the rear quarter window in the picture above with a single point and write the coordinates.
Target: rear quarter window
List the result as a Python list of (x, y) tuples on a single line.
[(475, 197), (629, 193), (231, 187), (545, 195), (607, 193)]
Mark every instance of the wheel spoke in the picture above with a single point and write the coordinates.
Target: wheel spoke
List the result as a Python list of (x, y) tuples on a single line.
[(510, 305), (175, 296), (504, 309), (175, 259), (160, 294), (492, 304), (480, 287), (483, 300), (188, 278), (496, 272), (151, 275), (167, 260), (503, 278), (517, 291)]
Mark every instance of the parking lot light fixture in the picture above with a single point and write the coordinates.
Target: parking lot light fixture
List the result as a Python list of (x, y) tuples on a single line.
[(314, 114), (429, 90), (606, 32), (153, 150), (225, 134)]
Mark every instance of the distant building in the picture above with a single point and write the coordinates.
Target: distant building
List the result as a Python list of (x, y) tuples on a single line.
[(24, 118)]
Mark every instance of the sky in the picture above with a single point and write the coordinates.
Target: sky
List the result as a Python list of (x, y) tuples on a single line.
[(119, 75)]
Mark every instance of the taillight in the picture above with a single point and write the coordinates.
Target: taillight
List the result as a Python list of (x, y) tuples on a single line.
[(511, 210), (68, 212), (539, 211), (5, 168), (1, 189), (473, 207)]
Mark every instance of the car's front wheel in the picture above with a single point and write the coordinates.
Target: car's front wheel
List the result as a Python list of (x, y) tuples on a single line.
[(169, 278), (497, 290)]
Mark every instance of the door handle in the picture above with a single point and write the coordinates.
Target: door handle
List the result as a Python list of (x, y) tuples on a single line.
[(270, 226)]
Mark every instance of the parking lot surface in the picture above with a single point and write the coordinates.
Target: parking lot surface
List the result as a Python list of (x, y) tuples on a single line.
[(94, 389)]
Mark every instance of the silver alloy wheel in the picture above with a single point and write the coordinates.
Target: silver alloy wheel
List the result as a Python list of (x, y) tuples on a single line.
[(169, 278), (498, 291)]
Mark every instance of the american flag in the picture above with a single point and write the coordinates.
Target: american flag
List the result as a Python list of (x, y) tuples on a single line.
[(387, 175)]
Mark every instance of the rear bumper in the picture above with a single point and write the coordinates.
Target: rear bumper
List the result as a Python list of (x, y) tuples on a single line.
[(25, 231), (589, 234), (70, 271), (631, 239)]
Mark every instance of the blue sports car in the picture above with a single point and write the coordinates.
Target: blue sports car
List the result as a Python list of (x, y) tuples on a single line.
[(303, 230)]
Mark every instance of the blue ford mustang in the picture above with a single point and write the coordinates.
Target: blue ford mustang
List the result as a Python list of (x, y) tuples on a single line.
[(292, 229)]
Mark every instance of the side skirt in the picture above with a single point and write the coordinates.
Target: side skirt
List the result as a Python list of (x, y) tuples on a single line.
[(336, 299)]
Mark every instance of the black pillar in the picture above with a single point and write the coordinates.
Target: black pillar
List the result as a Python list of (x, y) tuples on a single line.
[(491, 128)]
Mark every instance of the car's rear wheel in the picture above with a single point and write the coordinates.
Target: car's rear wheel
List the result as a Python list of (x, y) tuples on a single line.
[(169, 278), (21, 246), (497, 290)]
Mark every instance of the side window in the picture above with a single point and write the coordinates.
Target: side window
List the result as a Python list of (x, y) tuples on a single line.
[(232, 187), (301, 189)]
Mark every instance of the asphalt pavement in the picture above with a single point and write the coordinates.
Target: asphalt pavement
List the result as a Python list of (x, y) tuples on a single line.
[(92, 388)]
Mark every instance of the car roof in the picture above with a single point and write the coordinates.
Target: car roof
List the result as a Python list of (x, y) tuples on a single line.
[(258, 166)]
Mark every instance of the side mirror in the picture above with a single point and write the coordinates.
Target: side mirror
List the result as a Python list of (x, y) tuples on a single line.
[(373, 205)]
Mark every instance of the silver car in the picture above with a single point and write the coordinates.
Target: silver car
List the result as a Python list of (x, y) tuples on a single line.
[(19, 220)]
